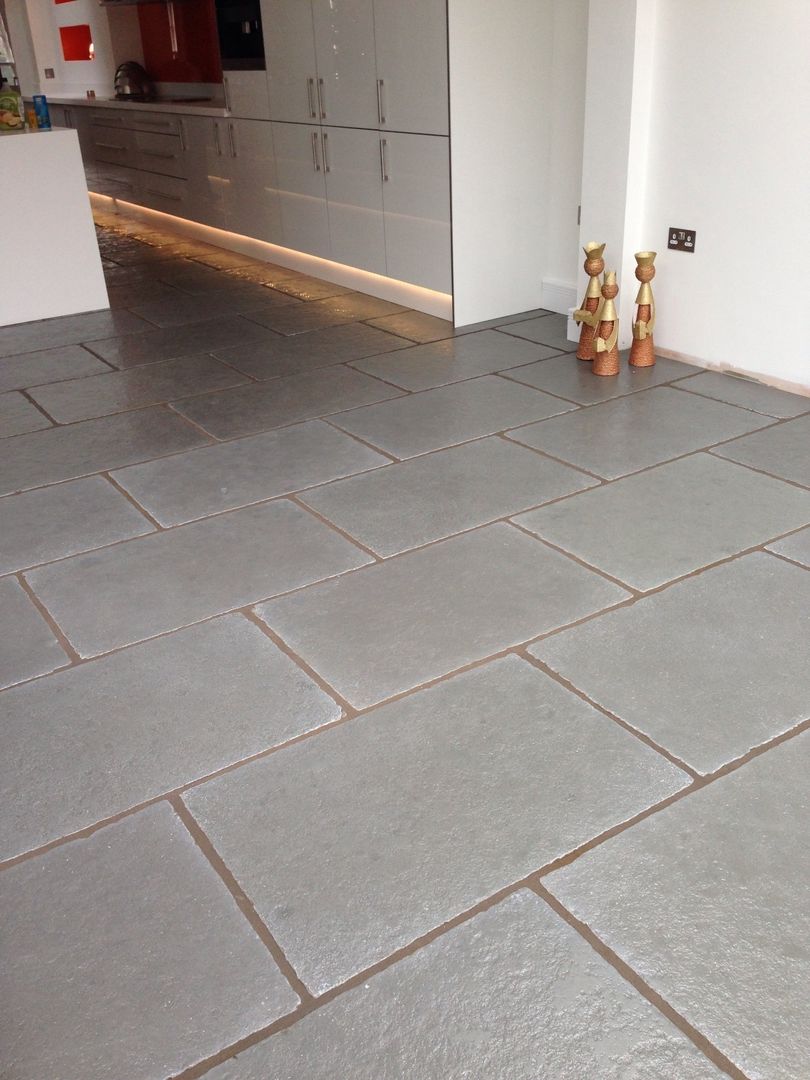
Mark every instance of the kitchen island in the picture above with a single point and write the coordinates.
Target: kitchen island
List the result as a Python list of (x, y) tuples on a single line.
[(52, 263)]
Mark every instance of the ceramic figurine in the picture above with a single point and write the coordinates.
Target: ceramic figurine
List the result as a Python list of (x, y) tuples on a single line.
[(606, 351), (642, 351), (588, 314)]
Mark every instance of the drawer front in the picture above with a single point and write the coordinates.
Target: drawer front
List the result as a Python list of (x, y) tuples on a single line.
[(159, 153), (106, 117), (113, 145), (166, 123), (166, 193), (118, 181)]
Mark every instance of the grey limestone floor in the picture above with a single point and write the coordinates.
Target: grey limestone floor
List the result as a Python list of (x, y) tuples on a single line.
[(384, 701)]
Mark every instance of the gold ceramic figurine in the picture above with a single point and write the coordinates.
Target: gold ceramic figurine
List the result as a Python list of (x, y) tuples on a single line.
[(588, 314), (642, 351), (606, 352)]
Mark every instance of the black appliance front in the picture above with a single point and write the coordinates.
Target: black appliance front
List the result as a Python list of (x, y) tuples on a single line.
[(241, 44)]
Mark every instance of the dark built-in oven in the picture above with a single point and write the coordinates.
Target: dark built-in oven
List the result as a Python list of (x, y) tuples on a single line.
[(239, 25)]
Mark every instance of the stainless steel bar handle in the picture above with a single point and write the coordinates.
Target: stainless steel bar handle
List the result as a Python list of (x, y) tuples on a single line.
[(226, 88), (326, 166), (380, 104), (322, 99), (110, 146), (156, 123), (232, 139), (158, 154), (311, 99), (164, 195), (316, 164), (216, 139), (384, 160), (181, 128)]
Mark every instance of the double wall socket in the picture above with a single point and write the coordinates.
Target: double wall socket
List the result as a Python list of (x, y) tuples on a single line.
[(681, 239)]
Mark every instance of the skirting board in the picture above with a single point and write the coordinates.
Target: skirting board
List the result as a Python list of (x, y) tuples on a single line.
[(725, 369), (558, 296), (398, 292)]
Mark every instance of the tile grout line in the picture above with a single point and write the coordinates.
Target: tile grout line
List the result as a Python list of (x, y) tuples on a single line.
[(635, 980), (240, 897), (376, 558), (133, 502), (24, 393), (53, 626)]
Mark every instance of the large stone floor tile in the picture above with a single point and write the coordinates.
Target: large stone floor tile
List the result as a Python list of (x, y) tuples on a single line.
[(174, 341), (226, 260), (426, 613), (305, 287), (188, 486), (64, 519), (284, 401), (708, 901), (358, 842), (119, 391), (233, 297), (748, 394), (64, 453), (449, 415), (551, 330), (84, 744), (295, 355), (622, 436), (655, 526), (188, 277), (709, 668), (270, 274), (436, 495), (150, 291), (571, 378), (18, 416), (416, 326), (162, 582), (68, 330), (453, 360), (27, 646), (50, 365), (125, 956), (514, 994), (331, 311), (796, 547), (783, 450)]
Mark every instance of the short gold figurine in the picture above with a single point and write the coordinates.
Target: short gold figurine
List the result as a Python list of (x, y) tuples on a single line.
[(642, 351), (588, 314), (606, 352)]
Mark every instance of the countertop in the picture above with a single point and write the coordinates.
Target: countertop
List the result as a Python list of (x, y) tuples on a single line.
[(187, 108)]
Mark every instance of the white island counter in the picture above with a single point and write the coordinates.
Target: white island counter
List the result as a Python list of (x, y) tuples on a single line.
[(50, 260)]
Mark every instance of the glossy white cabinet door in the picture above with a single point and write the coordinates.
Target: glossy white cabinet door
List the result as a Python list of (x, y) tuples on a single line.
[(302, 188), (255, 209), (354, 194), (246, 94), (347, 69), (289, 43), (416, 200), (209, 170), (411, 40)]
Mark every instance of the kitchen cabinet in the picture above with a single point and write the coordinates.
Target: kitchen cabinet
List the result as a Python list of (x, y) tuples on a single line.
[(416, 203), (354, 196), (289, 46), (302, 188), (411, 51), (254, 205), (69, 116), (246, 94)]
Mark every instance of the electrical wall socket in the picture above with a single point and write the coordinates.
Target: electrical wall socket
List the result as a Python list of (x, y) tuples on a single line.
[(681, 239)]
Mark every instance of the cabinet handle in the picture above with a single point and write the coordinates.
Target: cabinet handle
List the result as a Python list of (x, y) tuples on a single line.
[(315, 162), (163, 154), (311, 99), (155, 123), (232, 139), (225, 89), (384, 160), (380, 105), (163, 195), (216, 139), (110, 146), (322, 98), (181, 130), (326, 166)]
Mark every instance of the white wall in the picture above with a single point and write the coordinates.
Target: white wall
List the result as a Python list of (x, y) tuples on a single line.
[(729, 155), (567, 121)]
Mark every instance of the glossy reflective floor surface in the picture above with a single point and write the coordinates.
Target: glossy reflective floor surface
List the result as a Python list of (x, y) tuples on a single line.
[(386, 702)]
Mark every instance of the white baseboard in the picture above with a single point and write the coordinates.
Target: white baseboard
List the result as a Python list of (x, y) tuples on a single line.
[(558, 296), (398, 292)]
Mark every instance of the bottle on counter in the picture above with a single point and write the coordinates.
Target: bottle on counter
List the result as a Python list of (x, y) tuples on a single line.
[(42, 114)]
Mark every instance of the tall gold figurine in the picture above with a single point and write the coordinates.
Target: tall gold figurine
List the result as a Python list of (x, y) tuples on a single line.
[(642, 351), (588, 314), (606, 352)]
